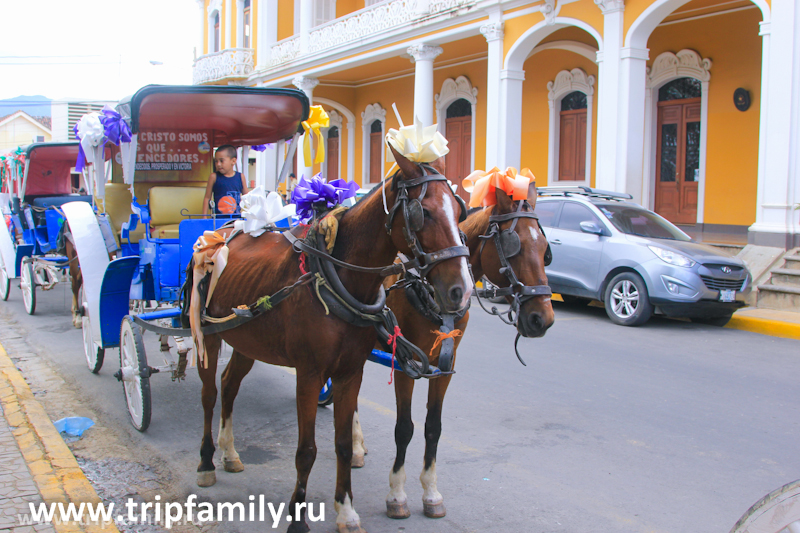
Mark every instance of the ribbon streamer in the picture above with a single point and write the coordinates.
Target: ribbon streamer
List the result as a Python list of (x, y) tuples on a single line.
[(317, 190), (317, 119), (259, 211), (482, 185)]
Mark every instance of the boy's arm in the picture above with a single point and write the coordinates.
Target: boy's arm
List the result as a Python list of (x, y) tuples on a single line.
[(245, 189), (209, 190)]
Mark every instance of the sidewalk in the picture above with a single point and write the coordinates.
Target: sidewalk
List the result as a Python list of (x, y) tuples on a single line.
[(35, 463), (772, 322)]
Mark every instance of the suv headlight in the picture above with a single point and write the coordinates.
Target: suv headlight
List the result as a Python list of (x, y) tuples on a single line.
[(673, 258)]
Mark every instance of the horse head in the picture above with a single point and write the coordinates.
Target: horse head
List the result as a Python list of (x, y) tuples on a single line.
[(426, 227), (526, 251)]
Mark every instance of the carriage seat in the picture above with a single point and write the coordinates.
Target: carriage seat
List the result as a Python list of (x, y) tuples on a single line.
[(166, 204), (117, 205), (43, 202)]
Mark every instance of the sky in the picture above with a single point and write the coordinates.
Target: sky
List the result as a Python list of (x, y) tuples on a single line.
[(96, 49)]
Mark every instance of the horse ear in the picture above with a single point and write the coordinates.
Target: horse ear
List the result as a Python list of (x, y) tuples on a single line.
[(439, 165), (532, 194), (504, 202), (410, 170)]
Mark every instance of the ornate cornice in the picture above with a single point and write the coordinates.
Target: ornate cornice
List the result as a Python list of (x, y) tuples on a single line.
[(493, 31), (685, 64), (568, 81), (372, 113), (424, 52), (550, 11)]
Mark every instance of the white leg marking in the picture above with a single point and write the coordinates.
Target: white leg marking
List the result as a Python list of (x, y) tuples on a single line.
[(465, 278), (428, 480), (345, 514), (225, 440), (359, 448), (397, 483)]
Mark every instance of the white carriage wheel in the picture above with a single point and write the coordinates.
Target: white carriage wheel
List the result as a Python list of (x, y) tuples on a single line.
[(27, 284), (135, 373), (94, 353), (777, 512), (5, 283)]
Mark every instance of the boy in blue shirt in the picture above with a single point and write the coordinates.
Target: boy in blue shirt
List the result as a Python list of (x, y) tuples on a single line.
[(226, 185)]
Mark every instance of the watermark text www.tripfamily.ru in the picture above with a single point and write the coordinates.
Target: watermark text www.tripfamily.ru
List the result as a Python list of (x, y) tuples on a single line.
[(169, 514)]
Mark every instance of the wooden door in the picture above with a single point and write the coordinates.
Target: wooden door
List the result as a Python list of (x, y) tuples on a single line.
[(572, 146), (678, 160), (458, 132), (332, 156), (375, 171)]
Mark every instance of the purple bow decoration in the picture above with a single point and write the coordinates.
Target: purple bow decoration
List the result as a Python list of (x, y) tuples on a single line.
[(317, 190), (81, 155), (261, 147), (115, 127)]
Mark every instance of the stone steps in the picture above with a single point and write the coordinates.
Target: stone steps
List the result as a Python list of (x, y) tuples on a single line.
[(782, 289)]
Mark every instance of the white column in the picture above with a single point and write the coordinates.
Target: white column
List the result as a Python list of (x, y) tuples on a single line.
[(779, 137), (351, 150), (608, 123), (239, 24), (493, 31), (423, 56), (267, 30), (203, 18), (630, 132), (510, 142), (306, 23), (229, 38), (306, 85)]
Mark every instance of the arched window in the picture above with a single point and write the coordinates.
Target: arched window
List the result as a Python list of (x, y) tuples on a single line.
[(680, 89), (332, 154), (247, 25), (570, 140), (458, 132), (373, 152), (216, 31)]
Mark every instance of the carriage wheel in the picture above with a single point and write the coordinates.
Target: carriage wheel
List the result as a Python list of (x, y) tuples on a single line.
[(777, 511), (5, 284), (326, 394), (94, 354), (135, 373), (27, 284)]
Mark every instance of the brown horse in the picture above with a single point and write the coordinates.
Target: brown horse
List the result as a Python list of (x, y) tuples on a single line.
[(301, 335), (535, 317)]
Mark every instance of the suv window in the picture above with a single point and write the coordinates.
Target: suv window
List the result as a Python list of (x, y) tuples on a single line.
[(547, 213), (573, 214)]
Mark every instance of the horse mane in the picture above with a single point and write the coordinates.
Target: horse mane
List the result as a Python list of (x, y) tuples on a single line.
[(477, 221)]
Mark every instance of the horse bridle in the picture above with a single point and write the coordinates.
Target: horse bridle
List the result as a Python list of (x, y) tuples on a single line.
[(508, 245), (414, 216)]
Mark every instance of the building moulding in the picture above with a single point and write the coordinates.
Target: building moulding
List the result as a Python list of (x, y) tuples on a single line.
[(452, 90), (566, 82), (372, 113)]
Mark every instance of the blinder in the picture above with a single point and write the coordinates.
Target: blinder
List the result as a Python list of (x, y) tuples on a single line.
[(414, 215), (463, 216), (510, 243)]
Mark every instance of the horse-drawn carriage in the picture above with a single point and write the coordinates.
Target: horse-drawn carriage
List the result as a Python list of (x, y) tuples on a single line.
[(326, 276), (29, 245)]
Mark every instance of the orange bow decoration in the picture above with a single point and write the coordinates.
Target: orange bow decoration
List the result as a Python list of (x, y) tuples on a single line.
[(482, 185), (440, 337)]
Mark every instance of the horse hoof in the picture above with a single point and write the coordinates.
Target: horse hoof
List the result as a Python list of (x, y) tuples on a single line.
[(434, 510), (397, 510), (206, 479), (233, 466), (298, 527), (350, 528), (357, 461)]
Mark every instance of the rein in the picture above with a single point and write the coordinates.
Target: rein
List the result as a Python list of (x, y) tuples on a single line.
[(508, 245)]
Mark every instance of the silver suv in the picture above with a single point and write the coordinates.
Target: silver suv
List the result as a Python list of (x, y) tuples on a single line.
[(608, 248)]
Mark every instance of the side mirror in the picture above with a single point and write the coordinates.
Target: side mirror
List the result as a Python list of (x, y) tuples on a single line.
[(592, 228)]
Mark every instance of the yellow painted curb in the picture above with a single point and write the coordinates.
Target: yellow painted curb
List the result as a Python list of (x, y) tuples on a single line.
[(55, 470), (765, 326)]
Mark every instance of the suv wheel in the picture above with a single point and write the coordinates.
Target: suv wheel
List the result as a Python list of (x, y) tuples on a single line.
[(626, 300)]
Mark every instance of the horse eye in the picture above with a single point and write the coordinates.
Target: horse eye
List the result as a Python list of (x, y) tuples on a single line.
[(426, 213)]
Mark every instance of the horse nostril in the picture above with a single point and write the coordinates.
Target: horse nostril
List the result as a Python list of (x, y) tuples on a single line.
[(536, 321), (456, 294)]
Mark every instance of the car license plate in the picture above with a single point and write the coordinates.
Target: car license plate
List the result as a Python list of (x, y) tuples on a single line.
[(727, 295)]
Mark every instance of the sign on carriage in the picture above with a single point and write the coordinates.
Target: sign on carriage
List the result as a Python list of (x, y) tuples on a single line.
[(174, 155)]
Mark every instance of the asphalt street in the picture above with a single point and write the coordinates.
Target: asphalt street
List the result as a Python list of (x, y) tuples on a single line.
[(670, 427)]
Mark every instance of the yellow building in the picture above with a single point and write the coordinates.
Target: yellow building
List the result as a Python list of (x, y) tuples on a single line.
[(690, 106), (19, 129)]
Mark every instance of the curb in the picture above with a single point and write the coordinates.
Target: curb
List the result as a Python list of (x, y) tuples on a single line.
[(53, 467), (765, 326)]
